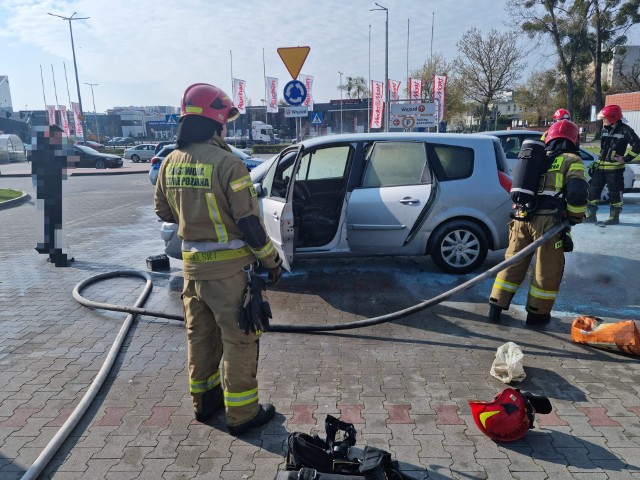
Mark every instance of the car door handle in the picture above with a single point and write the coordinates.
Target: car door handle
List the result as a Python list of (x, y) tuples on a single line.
[(276, 216), (409, 201)]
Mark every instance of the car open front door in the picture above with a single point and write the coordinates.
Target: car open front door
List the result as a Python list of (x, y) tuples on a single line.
[(388, 207), (276, 205)]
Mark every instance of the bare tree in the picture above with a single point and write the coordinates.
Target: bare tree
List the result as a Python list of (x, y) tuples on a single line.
[(487, 65), (565, 22), (536, 97), (628, 79)]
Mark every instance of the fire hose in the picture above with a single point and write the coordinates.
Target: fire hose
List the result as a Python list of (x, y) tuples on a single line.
[(47, 454)]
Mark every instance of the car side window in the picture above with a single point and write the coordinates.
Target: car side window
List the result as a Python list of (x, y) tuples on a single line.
[(396, 163), (324, 163), (452, 162), (276, 181)]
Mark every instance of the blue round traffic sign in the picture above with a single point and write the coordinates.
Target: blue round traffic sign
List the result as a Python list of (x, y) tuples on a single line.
[(295, 92)]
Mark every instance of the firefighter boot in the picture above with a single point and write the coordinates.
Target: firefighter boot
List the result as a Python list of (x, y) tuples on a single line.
[(536, 319), (590, 215), (210, 402), (614, 216), (494, 313), (266, 413)]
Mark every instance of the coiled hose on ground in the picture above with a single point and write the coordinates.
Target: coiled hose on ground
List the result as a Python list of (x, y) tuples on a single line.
[(62, 434)]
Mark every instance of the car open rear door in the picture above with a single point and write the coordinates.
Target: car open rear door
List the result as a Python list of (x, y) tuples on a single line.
[(277, 207)]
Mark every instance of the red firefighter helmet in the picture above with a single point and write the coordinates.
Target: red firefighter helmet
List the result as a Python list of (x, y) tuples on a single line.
[(562, 114), (505, 419), (612, 113), (563, 129), (208, 101)]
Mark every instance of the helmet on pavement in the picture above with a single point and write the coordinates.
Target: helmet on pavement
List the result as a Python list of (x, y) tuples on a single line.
[(611, 113), (505, 419), (563, 129), (562, 114), (208, 101)]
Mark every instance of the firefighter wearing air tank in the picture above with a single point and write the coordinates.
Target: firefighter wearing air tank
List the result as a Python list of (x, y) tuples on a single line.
[(609, 168), (548, 186), (207, 191)]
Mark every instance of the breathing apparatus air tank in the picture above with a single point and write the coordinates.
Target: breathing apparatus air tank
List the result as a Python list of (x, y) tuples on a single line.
[(532, 164)]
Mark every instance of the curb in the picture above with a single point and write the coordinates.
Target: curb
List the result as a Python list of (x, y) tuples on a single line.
[(76, 174), (15, 201)]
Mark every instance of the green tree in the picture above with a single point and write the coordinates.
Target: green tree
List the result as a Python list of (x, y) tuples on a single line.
[(487, 65), (355, 87), (565, 22), (537, 97)]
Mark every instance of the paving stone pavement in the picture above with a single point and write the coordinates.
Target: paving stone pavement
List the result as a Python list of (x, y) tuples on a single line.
[(405, 385)]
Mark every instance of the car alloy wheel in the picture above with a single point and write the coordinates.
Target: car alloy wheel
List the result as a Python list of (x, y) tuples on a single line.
[(101, 164), (459, 246), (135, 158)]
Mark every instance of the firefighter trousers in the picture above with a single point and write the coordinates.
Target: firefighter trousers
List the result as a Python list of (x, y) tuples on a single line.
[(211, 317), (548, 271), (614, 180)]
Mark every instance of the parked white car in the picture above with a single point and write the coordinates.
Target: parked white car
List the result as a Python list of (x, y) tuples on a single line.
[(140, 153), (443, 195)]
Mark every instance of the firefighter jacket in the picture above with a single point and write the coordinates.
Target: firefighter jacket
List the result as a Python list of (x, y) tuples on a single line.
[(614, 141), (206, 190), (564, 188)]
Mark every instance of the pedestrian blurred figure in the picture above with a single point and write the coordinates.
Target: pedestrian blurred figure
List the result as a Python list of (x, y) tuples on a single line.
[(609, 168), (50, 157), (207, 191), (558, 174)]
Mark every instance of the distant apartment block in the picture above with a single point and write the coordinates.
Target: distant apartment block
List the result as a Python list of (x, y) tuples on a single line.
[(5, 94), (626, 61)]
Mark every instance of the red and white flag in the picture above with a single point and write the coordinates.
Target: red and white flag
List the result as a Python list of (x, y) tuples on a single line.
[(308, 83), (377, 104), (272, 95), (439, 85), (239, 95), (394, 89), (415, 89), (64, 120), (76, 119), (51, 113)]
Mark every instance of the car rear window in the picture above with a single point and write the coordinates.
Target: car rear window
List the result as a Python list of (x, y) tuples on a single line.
[(452, 162)]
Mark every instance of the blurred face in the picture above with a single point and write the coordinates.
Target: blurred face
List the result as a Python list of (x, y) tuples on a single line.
[(605, 122), (223, 134)]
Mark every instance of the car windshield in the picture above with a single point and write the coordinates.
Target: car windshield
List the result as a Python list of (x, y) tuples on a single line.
[(86, 149)]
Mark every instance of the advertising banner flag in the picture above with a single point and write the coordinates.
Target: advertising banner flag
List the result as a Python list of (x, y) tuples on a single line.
[(64, 120), (394, 89), (377, 104), (239, 95), (272, 95), (308, 83), (77, 120), (439, 85), (51, 114), (415, 89)]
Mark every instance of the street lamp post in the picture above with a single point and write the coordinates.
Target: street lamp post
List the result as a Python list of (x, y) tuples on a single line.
[(95, 114), (75, 66), (341, 100), (386, 66)]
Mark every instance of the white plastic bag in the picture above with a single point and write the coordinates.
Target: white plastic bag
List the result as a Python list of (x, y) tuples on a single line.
[(508, 365)]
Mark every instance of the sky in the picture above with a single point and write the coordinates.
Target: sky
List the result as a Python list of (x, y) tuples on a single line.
[(146, 52)]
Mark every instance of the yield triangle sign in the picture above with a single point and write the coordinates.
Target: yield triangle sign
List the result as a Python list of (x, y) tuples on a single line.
[(293, 58)]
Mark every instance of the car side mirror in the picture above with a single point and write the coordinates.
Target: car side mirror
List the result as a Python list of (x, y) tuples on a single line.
[(258, 189)]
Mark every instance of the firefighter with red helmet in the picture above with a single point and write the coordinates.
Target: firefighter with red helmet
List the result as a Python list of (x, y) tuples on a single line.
[(208, 192), (560, 114), (561, 193), (609, 168)]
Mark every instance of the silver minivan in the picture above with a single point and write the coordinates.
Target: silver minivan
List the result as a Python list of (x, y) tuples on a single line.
[(371, 194)]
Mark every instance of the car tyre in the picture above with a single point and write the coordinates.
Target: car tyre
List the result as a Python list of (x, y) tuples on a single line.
[(135, 158), (100, 164), (458, 246)]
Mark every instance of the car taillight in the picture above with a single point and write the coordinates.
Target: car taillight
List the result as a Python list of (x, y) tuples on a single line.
[(155, 160), (505, 181)]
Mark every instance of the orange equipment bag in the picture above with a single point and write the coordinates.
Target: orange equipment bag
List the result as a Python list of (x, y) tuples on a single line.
[(620, 336)]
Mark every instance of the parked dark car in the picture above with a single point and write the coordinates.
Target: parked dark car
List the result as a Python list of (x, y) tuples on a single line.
[(90, 158), (91, 144)]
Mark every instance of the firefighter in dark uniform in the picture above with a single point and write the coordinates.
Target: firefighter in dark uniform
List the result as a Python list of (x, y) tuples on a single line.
[(207, 191), (562, 193), (609, 168)]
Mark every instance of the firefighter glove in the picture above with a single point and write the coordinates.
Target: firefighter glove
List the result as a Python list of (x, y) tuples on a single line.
[(275, 274), (255, 312), (592, 169)]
